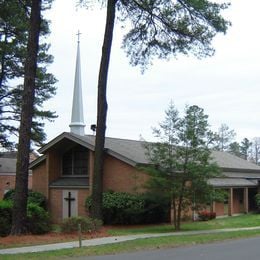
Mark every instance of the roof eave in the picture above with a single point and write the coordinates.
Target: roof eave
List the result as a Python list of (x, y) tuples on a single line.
[(69, 187), (121, 157), (68, 136), (37, 161), (224, 169)]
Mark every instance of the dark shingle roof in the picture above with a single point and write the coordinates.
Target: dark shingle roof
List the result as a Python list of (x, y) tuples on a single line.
[(238, 172), (230, 161), (232, 182), (7, 165), (8, 154), (133, 152), (77, 182)]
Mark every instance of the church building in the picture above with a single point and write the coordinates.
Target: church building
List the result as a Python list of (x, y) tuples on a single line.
[(64, 172)]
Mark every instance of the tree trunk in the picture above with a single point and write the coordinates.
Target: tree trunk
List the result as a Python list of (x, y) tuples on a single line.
[(19, 225), (174, 213), (96, 209), (179, 208), (178, 222)]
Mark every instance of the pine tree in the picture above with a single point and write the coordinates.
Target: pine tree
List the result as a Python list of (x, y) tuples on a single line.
[(225, 137), (19, 218), (180, 161), (14, 23), (245, 148), (235, 149)]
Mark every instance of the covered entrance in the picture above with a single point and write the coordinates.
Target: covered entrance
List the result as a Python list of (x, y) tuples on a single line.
[(241, 193)]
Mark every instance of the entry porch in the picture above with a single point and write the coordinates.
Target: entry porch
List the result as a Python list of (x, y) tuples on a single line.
[(240, 200)]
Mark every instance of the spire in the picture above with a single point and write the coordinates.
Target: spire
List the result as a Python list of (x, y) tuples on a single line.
[(77, 120)]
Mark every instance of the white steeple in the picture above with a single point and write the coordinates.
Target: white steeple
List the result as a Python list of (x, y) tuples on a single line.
[(77, 119)]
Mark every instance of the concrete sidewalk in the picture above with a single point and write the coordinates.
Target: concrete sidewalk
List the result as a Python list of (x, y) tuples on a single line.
[(111, 240)]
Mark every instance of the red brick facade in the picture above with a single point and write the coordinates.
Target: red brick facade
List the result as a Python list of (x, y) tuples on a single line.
[(39, 180), (55, 207), (118, 176), (7, 182)]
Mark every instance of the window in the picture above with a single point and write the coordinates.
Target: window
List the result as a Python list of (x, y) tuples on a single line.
[(75, 162)]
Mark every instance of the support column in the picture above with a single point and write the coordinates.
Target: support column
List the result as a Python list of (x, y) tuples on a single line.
[(246, 200), (213, 206), (230, 202)]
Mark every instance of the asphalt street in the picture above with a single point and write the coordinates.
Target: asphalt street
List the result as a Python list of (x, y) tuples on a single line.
[(241, 249)]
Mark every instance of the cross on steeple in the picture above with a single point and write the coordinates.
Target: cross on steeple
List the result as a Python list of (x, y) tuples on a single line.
[(78, 34)]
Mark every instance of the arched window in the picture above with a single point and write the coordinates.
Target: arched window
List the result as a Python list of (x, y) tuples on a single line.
[(75, 162)]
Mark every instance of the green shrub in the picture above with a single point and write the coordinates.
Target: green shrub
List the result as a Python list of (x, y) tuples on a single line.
[(156, 209), (9, 195), (257, 201), (5, 217), (87, 224), (126, 208), (38, 219), (33, 197), (120, 208), (37, 198)]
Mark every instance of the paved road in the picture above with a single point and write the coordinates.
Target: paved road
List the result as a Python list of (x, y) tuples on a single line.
[(248, 249)]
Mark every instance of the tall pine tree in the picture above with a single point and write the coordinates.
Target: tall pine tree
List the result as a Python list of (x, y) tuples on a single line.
[(180, 161), (14, 24), (19, 219)]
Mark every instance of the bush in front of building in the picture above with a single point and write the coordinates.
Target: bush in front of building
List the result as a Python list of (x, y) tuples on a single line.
[(5, 217), (38, 219), (206, 215), (86, 224), (33, 197), (126, 208), (156, 208), (257, 202)]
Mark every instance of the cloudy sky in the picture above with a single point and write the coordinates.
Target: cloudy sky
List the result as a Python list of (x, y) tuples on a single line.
[(227, 85)]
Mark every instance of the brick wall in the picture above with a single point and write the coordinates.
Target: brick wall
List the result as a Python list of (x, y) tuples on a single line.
[(82, 195), (119, 176), (55, 208), (238, 206), (53, 165), (40, 179), (7, 182), (219, 209)]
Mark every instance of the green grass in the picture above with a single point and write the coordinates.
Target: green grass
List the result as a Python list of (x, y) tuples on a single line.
[(249, 220), (135, 245)]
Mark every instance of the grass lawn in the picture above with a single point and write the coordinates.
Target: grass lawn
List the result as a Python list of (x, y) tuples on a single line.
[(249, 220)]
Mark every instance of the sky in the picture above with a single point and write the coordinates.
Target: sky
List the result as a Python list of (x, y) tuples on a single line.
[(226, 86)]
